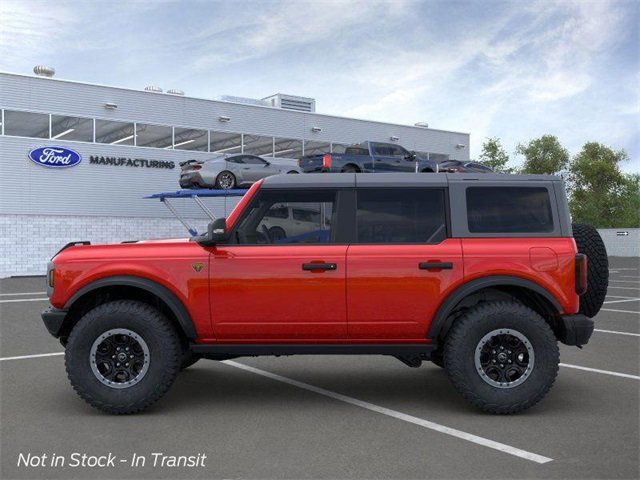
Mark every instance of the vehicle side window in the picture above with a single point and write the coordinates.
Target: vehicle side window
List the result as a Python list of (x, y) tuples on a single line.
[(251, 160), (235, 160), (390, 215), (267, 220), (509, 210), (398, 151), (356, 151), (382, 150)]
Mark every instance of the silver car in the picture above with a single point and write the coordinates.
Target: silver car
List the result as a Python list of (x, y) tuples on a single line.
[(230, 171)]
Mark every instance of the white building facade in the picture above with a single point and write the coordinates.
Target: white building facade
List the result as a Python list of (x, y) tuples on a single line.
[(130, 144)]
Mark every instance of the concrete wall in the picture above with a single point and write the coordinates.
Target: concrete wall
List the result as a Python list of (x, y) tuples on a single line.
[(620, 245)]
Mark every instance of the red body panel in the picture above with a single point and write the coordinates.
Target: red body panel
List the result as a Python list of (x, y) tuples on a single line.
[(389, 298), (167, 262), (548, 262), (261, 293)]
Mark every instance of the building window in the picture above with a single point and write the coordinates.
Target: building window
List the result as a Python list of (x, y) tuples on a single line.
[(26, 124), (158, 136), (390, 215), (114, 133), (287, 148), (316, 148), (258, 145), (225, 143), (72, 128), (509, 210), (190, 139)]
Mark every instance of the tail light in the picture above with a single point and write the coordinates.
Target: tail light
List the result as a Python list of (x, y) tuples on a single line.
[(581, 274), (196, 167), (326, 161), (298, 162)]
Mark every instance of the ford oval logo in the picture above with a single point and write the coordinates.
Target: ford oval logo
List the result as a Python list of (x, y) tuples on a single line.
[(55, 157)]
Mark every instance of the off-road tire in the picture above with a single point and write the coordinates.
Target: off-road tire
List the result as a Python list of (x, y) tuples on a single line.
[(590, 243), (164, 356), (437, 358), (464, 337)]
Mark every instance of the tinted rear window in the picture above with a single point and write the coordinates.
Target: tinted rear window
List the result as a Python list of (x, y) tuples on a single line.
[(401, 216), (509, 210)]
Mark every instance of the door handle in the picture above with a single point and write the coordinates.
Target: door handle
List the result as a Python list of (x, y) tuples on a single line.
[(435, 265), (319, 266)]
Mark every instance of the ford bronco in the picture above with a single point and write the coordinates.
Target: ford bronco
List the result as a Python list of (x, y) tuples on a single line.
[(482, 274)]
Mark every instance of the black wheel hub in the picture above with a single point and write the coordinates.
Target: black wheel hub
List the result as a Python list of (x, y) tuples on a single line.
[(504, 358), (119, 358)]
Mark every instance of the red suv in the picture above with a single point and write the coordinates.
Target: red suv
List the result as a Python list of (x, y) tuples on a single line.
[(480, 274)]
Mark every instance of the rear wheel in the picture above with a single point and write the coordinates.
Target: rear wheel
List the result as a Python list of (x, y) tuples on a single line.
[(350, 169), (590, 243), (501, 356), (225, 180), (122, 356), (292, 172)]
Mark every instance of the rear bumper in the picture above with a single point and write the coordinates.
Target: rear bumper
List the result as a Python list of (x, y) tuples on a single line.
[(53, 319), (575, 329)]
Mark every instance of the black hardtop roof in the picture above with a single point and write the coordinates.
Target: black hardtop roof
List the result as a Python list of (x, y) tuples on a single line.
[(345, 180)]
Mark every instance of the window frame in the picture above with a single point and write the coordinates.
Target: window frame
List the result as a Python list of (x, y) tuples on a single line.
[(344, 199), (445, 205)]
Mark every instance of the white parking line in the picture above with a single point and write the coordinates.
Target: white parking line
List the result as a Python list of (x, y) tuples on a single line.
[(629, 276), (596, 370), (24, 357), (617, 296), (623, 288), (619, 311), (22, 293), (624, 281), (620, 301), (485, 442), (616, 332), (24, 300)]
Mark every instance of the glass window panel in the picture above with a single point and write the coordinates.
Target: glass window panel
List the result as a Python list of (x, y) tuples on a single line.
[(509, 210), (316, 148), (190, 139), (279, 217), (287, 148), (224, 142), (113, 132), (158, 136), (72, 128), (26, 124), (338, 147), (258, 145), (401, 216)]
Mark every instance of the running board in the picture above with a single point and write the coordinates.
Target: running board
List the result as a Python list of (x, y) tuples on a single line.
[(403, 349)]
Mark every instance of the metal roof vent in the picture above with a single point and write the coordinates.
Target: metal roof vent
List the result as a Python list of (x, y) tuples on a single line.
[(44, 71), (175, 91), (292, 102), (153, 88), (422, 124)]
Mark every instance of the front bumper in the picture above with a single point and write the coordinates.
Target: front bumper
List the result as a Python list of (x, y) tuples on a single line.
[(575, 329), (53, 319)]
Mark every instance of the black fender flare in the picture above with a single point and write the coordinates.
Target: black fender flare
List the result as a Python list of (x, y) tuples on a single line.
[(439, 322), (163, 293)]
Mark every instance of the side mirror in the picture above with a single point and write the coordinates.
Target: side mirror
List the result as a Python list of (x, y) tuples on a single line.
[(410, 156), (216, 233), (267, 163)]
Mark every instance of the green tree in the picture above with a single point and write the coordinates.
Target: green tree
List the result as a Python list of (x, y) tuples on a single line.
[(544, 155), (494, 156), (601, 194)]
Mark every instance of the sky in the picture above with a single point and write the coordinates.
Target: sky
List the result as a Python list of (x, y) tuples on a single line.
[(514, 70)]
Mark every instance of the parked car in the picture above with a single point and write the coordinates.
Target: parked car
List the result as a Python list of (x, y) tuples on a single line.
[(230, 171), (459, 166), (482, 276), (368, 157)]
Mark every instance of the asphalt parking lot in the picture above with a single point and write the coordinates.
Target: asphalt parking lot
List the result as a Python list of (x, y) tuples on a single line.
[(327, 417)]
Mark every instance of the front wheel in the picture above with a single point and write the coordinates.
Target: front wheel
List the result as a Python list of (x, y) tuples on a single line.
[(501, 356), (122, 356)]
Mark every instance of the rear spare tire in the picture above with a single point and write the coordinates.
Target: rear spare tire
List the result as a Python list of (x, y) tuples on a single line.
[(590, 243)]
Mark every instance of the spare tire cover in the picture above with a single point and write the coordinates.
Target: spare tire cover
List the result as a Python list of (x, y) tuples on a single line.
[(590, 243)]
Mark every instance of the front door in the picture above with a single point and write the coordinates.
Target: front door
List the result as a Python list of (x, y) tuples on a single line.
[(281, 281), (401, 265)]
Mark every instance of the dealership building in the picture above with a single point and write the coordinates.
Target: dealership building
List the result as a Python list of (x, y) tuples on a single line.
[(128, 144)]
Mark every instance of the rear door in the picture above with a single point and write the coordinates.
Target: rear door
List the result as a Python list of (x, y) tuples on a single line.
[(401, 265)]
